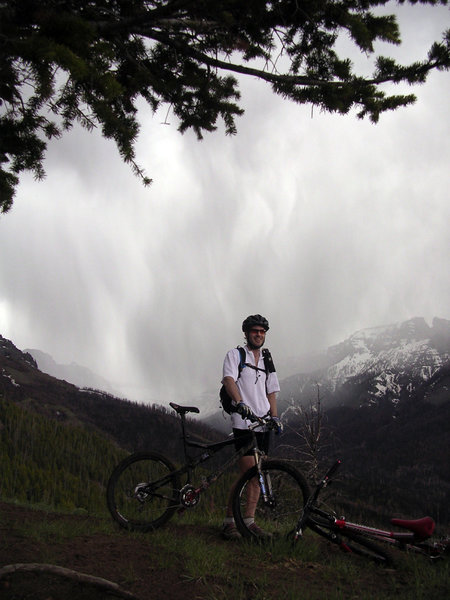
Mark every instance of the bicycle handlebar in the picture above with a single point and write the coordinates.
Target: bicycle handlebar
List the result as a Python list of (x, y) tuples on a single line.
[(265, 420)]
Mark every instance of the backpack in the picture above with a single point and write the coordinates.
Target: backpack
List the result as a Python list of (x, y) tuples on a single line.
[(225, 398)]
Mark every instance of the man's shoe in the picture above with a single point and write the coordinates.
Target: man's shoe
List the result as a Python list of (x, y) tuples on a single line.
[(229, 532), (258, 532)]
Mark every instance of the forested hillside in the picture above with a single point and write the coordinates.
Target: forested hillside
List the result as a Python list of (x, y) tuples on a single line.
[(132, 426), (59, 443), (43, 461), (394, 462)]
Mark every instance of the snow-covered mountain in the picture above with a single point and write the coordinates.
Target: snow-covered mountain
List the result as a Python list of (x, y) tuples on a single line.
[(395, 362)]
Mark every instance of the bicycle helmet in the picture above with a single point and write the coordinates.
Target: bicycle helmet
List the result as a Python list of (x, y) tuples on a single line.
[(253, 320)]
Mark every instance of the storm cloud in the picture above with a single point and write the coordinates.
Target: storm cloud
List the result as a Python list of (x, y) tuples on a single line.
[(325, 224)]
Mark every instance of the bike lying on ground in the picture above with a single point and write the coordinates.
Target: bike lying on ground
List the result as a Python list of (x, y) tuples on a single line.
[(146, 489), (360, 539)]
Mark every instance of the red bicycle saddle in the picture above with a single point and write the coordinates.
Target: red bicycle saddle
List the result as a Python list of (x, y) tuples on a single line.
[(423, 528)]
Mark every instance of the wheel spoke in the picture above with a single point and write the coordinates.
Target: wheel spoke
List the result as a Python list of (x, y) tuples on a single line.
[(143, 492), (278, 511)]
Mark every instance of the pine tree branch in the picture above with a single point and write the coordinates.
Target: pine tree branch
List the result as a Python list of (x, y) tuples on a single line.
[(279, 78), (228, 66)]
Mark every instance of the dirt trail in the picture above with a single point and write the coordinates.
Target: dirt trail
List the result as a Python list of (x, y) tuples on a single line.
[(133, 563)]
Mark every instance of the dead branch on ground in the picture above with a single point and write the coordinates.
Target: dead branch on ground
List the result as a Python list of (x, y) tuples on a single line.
[(98, 582)]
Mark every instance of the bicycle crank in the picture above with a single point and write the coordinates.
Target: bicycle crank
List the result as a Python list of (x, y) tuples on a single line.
[(189, 496)]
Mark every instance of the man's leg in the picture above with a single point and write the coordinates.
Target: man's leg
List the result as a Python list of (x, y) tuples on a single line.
[(245, 463)]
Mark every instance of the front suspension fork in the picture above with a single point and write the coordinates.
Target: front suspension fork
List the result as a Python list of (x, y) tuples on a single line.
[(265, 483)]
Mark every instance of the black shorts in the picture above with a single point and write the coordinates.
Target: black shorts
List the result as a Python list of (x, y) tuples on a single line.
[(242, 437)]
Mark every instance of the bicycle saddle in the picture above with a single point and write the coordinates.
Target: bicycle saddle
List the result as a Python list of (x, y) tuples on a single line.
[(182, 410), (423, 528)]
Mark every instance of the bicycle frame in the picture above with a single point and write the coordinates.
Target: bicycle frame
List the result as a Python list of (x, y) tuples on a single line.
[(189, 496), (415, 538)]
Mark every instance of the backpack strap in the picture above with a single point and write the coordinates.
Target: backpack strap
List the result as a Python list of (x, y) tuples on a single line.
[(268, 361), (269, 367), (242, 364)]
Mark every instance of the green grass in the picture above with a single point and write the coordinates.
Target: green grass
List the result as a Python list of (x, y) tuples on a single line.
[(268, 571), (190, 548)]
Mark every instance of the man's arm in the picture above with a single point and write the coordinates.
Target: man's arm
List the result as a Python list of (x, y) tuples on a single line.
[(272, 398), (232, 389)]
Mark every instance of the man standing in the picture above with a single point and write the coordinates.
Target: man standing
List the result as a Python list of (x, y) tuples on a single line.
[(251, 389)]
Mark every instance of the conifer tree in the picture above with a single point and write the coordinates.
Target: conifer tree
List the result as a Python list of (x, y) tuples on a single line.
[(64, 61)]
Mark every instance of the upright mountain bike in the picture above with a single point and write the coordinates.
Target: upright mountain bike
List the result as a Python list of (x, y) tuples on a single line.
[(146, 489), (415, 535)]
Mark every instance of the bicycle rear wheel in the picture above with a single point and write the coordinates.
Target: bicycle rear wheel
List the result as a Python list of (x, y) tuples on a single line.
[(278, 510), (143, 491), (358, 544)]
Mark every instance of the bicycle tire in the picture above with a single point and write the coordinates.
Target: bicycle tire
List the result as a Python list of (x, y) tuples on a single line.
[(289, 493), (135, 499), (363, 546)]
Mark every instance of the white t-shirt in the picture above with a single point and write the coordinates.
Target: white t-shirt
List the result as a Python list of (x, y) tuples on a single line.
[(253, 385)]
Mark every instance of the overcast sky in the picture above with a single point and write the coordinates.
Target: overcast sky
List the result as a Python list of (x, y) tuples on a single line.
[(324, 224)]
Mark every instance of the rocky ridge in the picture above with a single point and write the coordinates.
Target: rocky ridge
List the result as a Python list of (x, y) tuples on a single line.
[(396, 362)]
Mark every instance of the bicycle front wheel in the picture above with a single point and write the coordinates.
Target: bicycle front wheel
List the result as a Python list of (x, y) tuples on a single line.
[(143, 491), (275, 501)]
